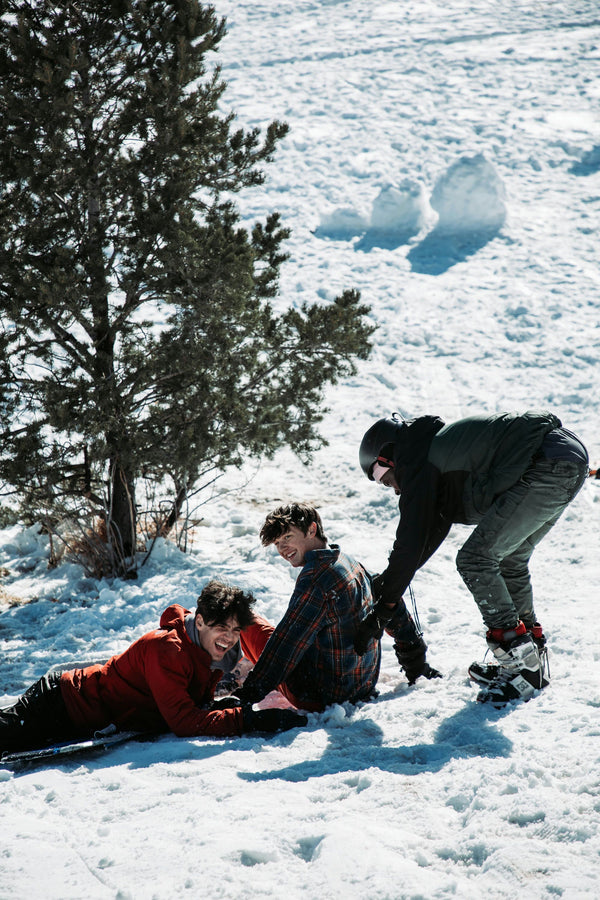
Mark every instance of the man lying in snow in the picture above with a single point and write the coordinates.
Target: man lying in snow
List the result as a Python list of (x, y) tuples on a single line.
[(164, 681)]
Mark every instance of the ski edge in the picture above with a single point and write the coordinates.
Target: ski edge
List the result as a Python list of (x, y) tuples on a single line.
[(55, 751)]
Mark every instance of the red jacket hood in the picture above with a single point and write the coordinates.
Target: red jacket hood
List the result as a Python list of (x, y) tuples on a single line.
[(174, 617)]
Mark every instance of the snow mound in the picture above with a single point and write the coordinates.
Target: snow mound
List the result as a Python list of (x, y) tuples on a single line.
[(398, 210), (342, 223), (469, 197), (404, 208), (31, 542)]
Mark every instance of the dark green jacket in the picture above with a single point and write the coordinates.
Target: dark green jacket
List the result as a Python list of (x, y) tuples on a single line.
[(453, 473)]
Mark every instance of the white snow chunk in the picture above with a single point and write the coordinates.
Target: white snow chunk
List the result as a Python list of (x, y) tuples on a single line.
[(469, 197), (342, 223), (402, 208)]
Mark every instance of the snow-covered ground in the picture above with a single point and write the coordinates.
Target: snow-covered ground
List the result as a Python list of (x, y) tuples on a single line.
[(444, 158)]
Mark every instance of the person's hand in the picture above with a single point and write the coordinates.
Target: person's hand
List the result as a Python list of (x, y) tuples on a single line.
[(369, 629), (228, 702), (246, 695), (412, 658), (377, 583), (372, 627), (429, 672), (272, 720)]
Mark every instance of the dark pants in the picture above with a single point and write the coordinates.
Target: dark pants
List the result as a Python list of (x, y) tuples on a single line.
[(494, 562), (254, 640), (38, 718)]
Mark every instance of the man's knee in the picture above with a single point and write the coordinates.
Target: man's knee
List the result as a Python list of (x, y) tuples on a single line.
[(468, 563)]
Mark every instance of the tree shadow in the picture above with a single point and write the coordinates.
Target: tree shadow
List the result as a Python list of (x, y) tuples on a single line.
[(358, 746), (440, 250)]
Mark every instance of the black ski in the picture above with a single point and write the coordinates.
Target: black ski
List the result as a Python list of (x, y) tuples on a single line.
[(57, 751)]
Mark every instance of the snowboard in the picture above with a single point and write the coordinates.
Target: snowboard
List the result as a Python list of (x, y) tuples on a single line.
[(482, 674), (56, 752)]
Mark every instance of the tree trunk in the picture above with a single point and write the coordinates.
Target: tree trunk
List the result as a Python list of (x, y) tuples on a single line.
[(180, 498), (121, 526)]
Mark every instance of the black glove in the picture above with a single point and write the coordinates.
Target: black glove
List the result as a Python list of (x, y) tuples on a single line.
[(272, 720), (229, 702), (377, 582), (246, 695), (411, 656), (372, 627), (369, 628)]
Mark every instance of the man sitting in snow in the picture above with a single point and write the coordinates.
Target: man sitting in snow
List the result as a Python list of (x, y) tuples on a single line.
[(164, 681), (310, 656), (511, 476)]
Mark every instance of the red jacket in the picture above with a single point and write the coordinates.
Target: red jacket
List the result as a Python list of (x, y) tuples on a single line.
[(159, 683)]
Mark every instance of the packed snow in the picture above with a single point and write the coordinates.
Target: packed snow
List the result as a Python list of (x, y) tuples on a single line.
[(444, 159)]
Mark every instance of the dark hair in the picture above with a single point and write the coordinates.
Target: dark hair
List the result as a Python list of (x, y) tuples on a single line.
[(219, 602), (300, 515)]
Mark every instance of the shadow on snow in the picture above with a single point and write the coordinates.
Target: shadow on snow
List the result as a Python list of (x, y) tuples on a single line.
[(359, 746), (440, 250)]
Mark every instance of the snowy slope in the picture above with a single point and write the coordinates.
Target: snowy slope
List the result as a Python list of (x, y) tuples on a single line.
[(443, 158)]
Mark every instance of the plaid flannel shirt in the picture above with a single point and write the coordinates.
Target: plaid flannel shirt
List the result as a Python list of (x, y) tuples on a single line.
[(312, 647)]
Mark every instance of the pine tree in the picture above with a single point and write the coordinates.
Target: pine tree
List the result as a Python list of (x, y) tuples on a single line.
[(137, 334)]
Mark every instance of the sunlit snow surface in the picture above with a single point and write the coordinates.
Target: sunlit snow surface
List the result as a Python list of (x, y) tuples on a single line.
[(444, 159)]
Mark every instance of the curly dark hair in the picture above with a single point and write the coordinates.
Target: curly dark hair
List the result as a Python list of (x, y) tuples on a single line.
[(300, 515), (219, 602)]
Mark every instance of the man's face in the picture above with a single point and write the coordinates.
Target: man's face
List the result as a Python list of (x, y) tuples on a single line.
[(218, 639), (389, 480), (293, 544)]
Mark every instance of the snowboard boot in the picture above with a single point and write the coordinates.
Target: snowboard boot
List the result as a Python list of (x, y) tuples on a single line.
[(519, 671), (484, 673)]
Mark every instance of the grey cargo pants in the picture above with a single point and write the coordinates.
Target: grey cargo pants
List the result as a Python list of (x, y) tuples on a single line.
[(493, 562)]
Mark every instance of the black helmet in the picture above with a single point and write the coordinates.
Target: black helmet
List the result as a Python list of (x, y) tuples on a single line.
[(385, 431)]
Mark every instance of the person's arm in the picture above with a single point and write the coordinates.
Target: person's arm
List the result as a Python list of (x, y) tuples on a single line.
[(290, 640), (420, 532), (168, 676)]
